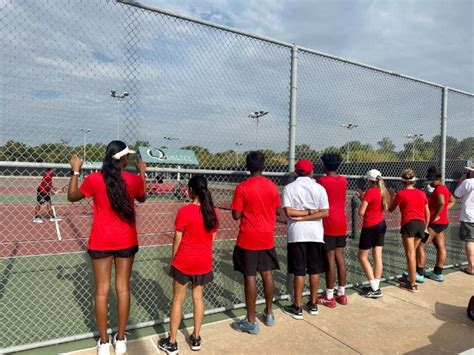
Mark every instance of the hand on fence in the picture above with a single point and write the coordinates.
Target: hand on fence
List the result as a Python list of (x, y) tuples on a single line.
[(359, 193), (75, 162), (140, 165)]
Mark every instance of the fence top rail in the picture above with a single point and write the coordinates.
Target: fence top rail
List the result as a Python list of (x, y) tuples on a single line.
[(282, 43)]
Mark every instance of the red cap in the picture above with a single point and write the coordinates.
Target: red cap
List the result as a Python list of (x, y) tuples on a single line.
[(303, 166)]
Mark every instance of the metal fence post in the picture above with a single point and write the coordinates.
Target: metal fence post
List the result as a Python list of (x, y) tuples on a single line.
[(292, 125), (444, 115)]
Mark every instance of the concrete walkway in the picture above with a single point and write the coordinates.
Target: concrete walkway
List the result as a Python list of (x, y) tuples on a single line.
[(432, 321)]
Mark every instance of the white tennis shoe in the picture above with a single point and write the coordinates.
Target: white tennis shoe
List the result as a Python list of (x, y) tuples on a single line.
[(120, 345), (37, 220), (55, 219), (103, 349)]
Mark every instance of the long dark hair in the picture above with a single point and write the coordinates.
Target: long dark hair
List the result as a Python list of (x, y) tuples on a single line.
[(198, 184), (116, 188)]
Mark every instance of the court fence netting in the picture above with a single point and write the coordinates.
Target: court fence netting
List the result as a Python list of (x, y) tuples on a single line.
[(78, 74)]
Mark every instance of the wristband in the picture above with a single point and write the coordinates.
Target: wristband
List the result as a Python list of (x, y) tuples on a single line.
[(75, 173), (309, 212)]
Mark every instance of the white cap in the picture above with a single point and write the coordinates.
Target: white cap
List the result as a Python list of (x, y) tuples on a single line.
[(123, 152), (470, 166), (373, 175)]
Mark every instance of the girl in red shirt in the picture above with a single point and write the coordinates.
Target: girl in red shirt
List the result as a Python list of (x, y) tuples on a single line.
[(415, 216), (196, 226), (375, 200), (113, 237), (441, 200)]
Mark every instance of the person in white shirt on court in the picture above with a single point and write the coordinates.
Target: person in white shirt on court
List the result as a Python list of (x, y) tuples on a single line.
[(305, 203), (465, 192)]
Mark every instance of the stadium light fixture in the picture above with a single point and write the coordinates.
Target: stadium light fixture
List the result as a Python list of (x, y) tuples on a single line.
[(349, 127), (413, 137), (257, 115), (119, 97)]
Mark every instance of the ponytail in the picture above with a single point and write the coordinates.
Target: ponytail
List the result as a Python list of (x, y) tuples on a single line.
[(198, 184), (115, 184), (384, 193)]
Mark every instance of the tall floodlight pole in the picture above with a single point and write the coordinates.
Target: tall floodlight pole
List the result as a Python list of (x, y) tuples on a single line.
[(85, 131), (169, 138), (237, 144), (257, 115), (413, 137), (118, 96), (349, 127)]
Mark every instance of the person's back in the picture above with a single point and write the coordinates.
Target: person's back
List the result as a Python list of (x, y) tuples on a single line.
[(465, 191), (336, 188)]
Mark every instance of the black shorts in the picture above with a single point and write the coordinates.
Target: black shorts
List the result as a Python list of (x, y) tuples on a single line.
[(413, 228), (306, 258), (184, 279), (333, 242), (249, 262), (120, 253), (374, 236), (42, 197), (438, 228)]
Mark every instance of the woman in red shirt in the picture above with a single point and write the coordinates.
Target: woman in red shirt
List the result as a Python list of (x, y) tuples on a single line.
[(196, 226), (414, 220), (113, 237), (375, 200)]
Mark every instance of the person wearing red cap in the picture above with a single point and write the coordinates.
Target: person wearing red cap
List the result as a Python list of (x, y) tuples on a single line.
[(305, 203), (335, 230), (255, 204)]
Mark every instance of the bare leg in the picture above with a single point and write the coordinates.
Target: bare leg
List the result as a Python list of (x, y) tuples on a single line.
[(331, 273), (123, 271), (250, 289), (37, 209), (364, 262), (409, 245), (298, 285), (341, 267), (313, 287), (179, 293), (421, 249), (269, 290), (378, 264), (440, 245), (102, 269), (198, 309), (469, 247)]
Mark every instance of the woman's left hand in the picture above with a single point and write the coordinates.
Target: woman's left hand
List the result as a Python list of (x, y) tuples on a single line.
[(76, 162)]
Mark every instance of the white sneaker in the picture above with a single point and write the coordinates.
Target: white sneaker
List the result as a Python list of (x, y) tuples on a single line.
[(103, 349), (37, 220), (120, 345), (55, 219)]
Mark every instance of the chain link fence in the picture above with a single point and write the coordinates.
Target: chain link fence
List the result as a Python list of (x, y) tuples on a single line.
[(76, 75)]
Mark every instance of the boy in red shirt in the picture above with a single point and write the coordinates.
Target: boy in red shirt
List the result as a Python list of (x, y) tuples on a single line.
[(440, 201), (335, 230), (43, 195), (255, 203)]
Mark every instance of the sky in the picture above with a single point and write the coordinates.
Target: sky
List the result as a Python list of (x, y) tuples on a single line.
[(59, 61)]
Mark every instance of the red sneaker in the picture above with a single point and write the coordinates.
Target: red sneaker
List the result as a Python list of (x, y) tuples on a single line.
[(325, 301), (341, 299)]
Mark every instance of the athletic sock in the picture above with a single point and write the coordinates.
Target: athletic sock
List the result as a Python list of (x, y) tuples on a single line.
[(329, 293), (341, 290), (373, 284), (438, 270), (420, 270), (378, 283)]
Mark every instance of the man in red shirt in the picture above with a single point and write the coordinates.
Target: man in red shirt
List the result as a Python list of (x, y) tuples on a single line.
[(440, 201), (255, 203), (335, 230), (43, 195)]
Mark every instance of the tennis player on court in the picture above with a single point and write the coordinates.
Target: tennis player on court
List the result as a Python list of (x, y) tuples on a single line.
[(255, 204), (415, 216), (196, 226), (441, 200), (113, 237), (305, 203), (335, 230), (43, 196), (374, 202)]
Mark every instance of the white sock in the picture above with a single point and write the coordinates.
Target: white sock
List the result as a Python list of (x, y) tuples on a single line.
[(378, 283), (373, 284), (341, 290), (329, 293)]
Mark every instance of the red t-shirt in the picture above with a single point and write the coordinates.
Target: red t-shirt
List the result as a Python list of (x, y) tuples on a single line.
[(258, 199), (412, 205), (374, 212), (336, 186), (46, 183), (194, 255), (443, 217), (108, 231)]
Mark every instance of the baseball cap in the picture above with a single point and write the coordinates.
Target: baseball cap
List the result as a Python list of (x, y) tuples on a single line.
[(123, 152), (470, 166), (303, 166), (373, 174)]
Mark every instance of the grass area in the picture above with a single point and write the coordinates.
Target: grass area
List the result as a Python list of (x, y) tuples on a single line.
[(48, 297)]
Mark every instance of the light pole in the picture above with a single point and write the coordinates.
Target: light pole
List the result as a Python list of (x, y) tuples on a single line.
[(257, 115), (349, 127), (85, 131), (237, 144), (169, 138), (118, 96), (413, 136)]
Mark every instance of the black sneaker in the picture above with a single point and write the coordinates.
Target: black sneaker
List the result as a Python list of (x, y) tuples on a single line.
[(293, 311), (312, 308), (405, 285), (167, 346), (195, 342), (369, 293)]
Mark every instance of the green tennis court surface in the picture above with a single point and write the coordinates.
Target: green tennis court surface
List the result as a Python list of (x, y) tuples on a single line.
[(51, 295)]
